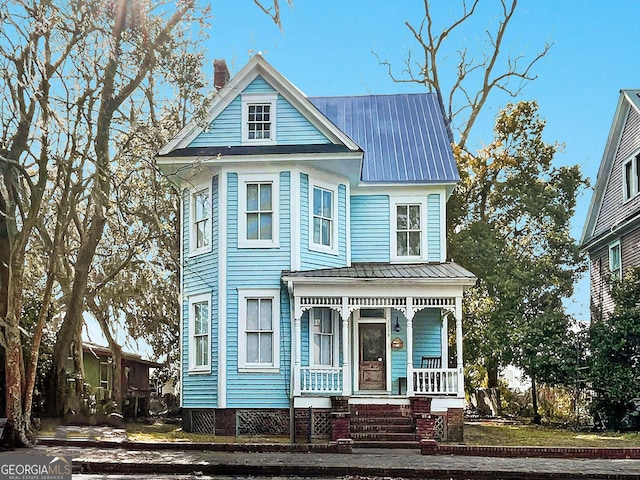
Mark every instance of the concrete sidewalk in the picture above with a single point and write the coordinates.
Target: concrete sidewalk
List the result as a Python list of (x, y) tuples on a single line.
[(364, 463)]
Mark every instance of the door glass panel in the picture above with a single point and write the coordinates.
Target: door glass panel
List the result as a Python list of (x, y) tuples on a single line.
[(373, 342)]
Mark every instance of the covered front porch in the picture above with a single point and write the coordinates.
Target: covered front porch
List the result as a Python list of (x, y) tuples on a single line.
[(377, 331)]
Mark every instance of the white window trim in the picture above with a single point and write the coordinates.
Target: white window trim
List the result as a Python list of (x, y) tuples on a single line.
[(264, 98), (243, 180), (633, 181), (334, 189), (243, 295), (194, 299), (393, 204), (617, 272), (193, 250), (335, 325)]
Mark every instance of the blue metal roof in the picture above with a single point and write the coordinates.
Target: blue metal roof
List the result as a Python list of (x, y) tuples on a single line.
[(404, 137)]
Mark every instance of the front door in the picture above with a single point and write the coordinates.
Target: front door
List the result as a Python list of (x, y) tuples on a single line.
[(373, 351)]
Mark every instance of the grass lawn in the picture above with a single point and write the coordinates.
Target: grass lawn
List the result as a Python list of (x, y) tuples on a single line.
[(475, 433), (489, 433)]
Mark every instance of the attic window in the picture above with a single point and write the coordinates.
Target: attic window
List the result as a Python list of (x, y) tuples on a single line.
[(258, 118), (631, 177)]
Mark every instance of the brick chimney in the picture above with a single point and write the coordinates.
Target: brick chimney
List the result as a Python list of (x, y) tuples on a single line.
[(220, 74)]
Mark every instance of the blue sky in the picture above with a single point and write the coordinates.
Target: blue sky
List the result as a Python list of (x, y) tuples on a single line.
[(325, 48)]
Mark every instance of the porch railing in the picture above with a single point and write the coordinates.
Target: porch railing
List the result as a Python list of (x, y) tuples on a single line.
[(435, 381), (320, 380)]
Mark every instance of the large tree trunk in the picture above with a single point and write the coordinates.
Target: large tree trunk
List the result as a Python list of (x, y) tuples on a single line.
[(537, 418)]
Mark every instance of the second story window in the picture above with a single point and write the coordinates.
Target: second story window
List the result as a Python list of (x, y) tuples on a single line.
[(258, 210), (259, 118), (322, 217), (631, 174), (615, 260), (200, 221), (408, 230)]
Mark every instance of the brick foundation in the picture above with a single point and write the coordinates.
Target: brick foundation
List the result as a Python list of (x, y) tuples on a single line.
[(226, 422), (455, 424), (340, 426)]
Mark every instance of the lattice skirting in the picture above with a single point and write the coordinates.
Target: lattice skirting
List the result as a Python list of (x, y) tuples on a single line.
[(203, 421), (262, 422), (440, 430)]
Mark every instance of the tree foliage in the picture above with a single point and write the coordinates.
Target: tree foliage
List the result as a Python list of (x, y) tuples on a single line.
[(614, 348), (510, 226)]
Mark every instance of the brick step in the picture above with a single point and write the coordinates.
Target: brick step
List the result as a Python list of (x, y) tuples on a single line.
[(388, 428), (375, 444), (381, 413), (383, 437), (385, 419)]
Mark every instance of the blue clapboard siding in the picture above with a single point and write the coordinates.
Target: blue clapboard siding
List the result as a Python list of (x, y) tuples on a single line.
[(309, 259), (433, 227), (257, 268), (399, 356), (200, 275), (426, 335), (292, 128), (370, 228)]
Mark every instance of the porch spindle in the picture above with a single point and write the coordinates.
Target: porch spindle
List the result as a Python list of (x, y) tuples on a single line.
[(459, 347), (346, 350)]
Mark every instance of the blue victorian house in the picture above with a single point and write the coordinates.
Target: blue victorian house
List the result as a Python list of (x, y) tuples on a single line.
[(316, 293)]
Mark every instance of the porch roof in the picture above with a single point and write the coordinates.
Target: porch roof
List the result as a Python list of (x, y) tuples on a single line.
[(446, 271)]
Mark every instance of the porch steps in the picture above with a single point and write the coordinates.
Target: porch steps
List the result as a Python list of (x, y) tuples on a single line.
[(382, 426)]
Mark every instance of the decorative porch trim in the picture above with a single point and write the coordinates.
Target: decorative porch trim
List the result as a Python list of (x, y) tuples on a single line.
[(345, 306)]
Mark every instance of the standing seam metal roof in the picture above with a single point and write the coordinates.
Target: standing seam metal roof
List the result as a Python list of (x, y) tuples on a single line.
[(404, 137), (378, 270)]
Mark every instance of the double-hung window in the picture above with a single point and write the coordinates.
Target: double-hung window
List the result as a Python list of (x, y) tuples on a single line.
[(408, 230), (631, 177), (259, 118), (323, 218), (258, 215), (408, 219), (615, 260), (200, 333), (200, 221), (259, 330), (322, 324)]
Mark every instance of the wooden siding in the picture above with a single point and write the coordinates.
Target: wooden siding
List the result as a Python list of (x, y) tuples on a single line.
[(427, 327), (433, 227), (370, 234), (257, 268), (200, 274), (292, 128), (599, 270), (613, 210), (398, 357), (311, 259)]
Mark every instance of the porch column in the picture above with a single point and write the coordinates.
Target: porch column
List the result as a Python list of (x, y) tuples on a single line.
[(346, 357), (296, 357), (409, 355), (444, 338), (460, 365)]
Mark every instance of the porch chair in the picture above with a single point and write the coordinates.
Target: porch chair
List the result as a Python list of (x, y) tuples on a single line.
[(433, 379)]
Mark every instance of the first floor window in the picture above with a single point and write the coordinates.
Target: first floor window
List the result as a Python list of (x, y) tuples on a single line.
[(408, 230), (322, 325), (615, 260), (259, 330), (258, 324), (106, 371), (200, 323)]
